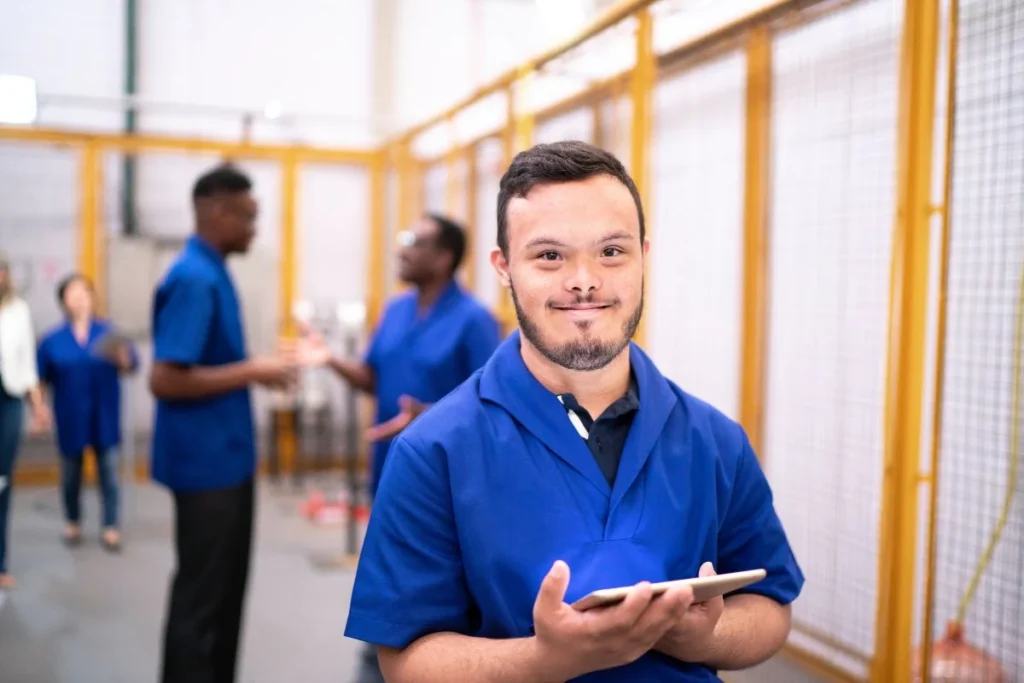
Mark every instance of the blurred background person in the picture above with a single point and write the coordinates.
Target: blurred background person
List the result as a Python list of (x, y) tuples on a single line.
[(204, 442), (80, 361), (429, 341), (18, 379)]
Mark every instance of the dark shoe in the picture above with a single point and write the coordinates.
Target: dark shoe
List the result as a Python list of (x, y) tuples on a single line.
[(72, 537), (111, 541)]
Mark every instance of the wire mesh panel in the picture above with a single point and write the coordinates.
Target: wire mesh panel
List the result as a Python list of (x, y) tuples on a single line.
[(835, 96), (435, 187), (694, 319), (979, 587), (490, 165)]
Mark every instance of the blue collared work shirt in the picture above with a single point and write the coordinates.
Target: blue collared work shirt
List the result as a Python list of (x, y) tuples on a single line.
[(426, 356), (206, 443), (486, 490), (85, 389)]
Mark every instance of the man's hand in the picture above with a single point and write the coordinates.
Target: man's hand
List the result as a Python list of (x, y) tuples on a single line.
[(408, 409), (689, 640), (575, 643), (310, 348), (275, 372), (123, 358)]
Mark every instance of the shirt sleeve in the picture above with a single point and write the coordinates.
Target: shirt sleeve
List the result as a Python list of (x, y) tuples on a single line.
[(751, 535), (181, 321), (410, 581), (483, 336), (44, 362)]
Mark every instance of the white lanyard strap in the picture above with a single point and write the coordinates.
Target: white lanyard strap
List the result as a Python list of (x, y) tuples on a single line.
[(576, 421)]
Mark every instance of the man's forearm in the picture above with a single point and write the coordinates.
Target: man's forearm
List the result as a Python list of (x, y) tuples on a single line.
[(179, 383), (447, 657), (751, 629), (356, 373)]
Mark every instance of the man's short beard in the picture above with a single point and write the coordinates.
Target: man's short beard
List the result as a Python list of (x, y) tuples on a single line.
[(586, 353)]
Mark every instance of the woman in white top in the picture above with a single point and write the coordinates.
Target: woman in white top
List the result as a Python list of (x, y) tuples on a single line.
[(18, 378)]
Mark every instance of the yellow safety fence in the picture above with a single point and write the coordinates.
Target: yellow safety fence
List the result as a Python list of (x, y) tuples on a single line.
[(835, 200)]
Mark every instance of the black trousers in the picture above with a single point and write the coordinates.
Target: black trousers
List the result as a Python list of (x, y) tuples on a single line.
[(213, 535)]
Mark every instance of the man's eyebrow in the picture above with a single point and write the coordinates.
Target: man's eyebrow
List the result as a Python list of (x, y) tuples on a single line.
[(552, 242)]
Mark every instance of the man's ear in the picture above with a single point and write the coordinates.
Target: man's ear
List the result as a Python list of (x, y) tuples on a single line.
[(500, 264)]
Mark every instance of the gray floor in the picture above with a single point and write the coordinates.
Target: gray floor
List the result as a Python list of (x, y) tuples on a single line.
[(82, 616)]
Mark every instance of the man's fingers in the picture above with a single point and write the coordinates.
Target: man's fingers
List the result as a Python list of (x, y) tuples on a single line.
[(707, 569), (389, 428), (551, 595)]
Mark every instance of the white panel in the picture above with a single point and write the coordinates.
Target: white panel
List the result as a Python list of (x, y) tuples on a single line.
[(490, 166), (832, 209), (334, 224), (435, 181), (695, 292), (574, 125)]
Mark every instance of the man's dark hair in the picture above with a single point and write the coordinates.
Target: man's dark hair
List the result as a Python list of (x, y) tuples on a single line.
[(450, 237), (224, 179), (558, 162)]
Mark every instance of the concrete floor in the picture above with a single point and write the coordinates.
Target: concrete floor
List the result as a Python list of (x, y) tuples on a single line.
[(83, 616)]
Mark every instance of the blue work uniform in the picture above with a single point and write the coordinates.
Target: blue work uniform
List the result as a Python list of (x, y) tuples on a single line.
[(209, 443), (85, 388), (426, 355), (486, 490)]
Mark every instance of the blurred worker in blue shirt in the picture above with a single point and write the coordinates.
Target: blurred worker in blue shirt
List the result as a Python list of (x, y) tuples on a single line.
[(81, 361), (204, 448), (429, 340), (570, 452)]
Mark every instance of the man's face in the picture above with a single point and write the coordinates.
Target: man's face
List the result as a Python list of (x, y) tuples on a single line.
[(236, 220), (575, 267), (419, 258)]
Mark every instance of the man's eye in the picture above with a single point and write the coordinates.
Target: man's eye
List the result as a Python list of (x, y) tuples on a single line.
[(611, 251), (549, 256)]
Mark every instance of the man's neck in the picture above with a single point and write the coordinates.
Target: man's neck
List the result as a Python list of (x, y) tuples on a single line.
[(595, 390), (204, 234), (428, 293)]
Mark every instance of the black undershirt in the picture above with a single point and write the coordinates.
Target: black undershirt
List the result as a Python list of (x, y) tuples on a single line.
[(607, 435)]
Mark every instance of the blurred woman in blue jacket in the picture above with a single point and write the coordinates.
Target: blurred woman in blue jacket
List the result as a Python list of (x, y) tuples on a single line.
[(80, 361)]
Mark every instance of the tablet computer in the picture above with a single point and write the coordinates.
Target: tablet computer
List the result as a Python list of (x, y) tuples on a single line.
[(704, 588)]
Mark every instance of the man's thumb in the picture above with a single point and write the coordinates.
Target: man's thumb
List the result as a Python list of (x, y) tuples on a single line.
[(707, 569), (552, 589)]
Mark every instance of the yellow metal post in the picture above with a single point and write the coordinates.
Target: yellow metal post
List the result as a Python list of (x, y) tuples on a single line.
[(452, 180), (472, 188), (90, 232), (940, 349), (755, 228), (641, 85), (376, 273), (287, 441), (907, 324)]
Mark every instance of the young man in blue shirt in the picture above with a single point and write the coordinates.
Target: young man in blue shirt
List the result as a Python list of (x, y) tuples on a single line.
[(203, 442), (429, 340), (491, 498)]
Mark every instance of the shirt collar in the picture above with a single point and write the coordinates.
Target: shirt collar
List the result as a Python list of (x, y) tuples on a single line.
[(201, 246), (627, 403)]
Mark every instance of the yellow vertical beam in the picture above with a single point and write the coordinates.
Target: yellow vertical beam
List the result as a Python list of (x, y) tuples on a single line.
[(406, 196), (288, 265), (907, 325), (89, 234), (641, 85), (376, 272), (452, 179), (597, 123), (940, 349), (518, 137), (755, 230), (89, 229), (471, 187)]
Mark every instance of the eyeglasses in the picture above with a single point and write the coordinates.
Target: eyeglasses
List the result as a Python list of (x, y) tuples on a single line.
[(407, 238)]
